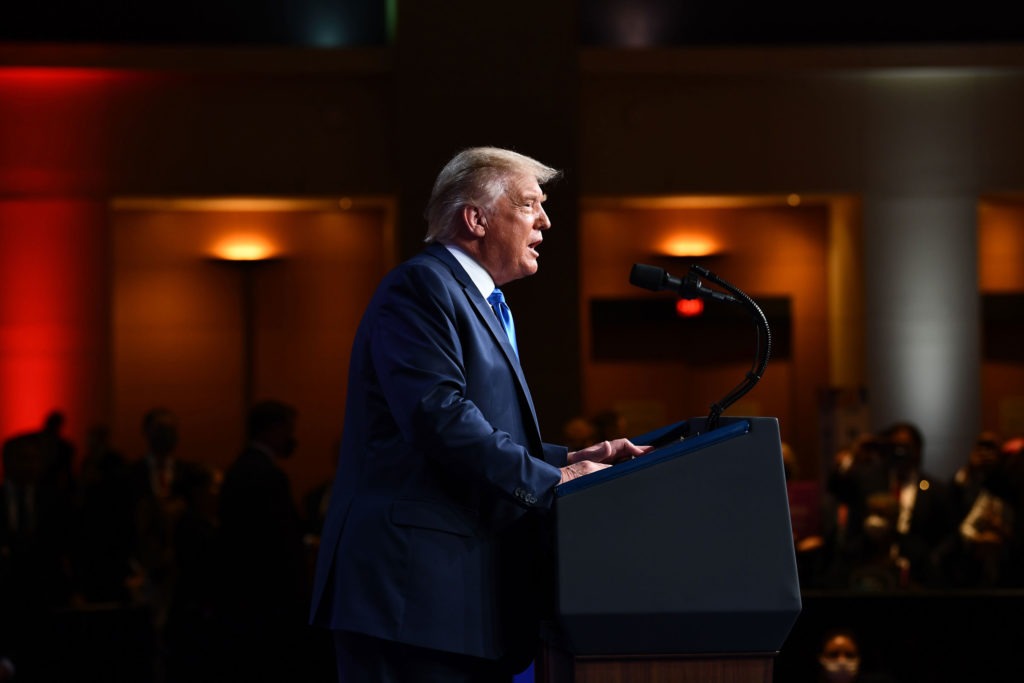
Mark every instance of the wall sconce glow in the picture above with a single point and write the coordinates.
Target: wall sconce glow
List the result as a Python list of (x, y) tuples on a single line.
[(688, 245), (245, 248)]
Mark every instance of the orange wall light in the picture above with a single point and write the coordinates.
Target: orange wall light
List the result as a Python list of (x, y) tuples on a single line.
[(688, 246), (245, 247)]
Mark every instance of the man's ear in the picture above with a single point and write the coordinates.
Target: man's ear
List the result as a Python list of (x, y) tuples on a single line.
[(474, 220)]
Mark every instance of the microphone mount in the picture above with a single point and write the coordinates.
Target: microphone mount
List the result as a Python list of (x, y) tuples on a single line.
[(689, 287)]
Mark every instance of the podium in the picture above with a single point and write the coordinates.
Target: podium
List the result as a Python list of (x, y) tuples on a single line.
[(678, 565)]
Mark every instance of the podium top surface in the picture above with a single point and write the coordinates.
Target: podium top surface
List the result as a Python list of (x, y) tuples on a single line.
[(673, 449)]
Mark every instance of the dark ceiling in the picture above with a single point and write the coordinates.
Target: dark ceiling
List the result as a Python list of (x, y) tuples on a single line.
[(612, 23)]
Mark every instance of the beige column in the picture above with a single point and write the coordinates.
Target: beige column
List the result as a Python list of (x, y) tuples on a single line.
[(921, 305)]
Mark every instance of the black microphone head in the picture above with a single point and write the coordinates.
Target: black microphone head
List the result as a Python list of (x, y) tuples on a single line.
[(648, 277)]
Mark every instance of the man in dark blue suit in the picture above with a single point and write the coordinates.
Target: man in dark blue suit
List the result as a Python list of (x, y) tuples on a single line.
[(432, 564)]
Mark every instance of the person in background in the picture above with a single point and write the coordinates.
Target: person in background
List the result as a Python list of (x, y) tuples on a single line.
[(104, 523), (434, 559), (36, 577), (984, 551), (891, 462), (840, 660), (969, 479), (159, 490), (262, 593)]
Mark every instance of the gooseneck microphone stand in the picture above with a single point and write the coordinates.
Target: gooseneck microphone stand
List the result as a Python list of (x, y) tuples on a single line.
[(762, 346), (656, 279)]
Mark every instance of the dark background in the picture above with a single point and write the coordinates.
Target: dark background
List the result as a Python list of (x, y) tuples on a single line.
[(601, 22)]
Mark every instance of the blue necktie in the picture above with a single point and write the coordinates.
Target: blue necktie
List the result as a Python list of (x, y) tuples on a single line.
[(501, 309)]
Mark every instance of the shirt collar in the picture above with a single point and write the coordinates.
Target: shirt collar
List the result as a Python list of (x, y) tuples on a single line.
[(477, 273)]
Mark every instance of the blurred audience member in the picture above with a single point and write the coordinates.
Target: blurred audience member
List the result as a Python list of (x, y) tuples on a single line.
[(316, 499), (161, 487), (582, 431), (58, 455), (188, 633), (35, 518), (579, 432), (103, 522), (806, 517), (892, 463), (877, 565), (969, 479), (608, 426), (263, 589), (983, 552), (840, 660)]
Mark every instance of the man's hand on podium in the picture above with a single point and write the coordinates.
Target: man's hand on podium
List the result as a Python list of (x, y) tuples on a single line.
[(599, 456)]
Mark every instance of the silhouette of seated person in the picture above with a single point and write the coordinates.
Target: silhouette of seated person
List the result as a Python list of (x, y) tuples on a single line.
[(892, 463)]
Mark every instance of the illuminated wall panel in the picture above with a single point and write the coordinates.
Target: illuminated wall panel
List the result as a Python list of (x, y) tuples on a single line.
[(1000, 255), (766, 251), (52, 321), (54, 155), (180, 332)]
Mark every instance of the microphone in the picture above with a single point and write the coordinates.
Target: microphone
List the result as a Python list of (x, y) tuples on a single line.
[(657, 279)]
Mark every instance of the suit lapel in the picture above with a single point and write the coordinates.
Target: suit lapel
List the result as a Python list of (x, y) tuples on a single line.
[(486, 315)]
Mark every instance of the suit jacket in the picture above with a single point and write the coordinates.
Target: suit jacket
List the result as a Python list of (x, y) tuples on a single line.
[(435, 531)]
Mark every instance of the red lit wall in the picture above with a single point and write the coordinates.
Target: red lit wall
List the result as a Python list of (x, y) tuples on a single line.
[(52, 302), (53, 162)]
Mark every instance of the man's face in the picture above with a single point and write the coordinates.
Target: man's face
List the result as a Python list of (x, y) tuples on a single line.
[(163, 435), (910, 456), (514, 228)]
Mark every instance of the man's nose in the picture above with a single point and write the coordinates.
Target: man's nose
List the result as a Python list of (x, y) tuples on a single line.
[(543, 222)]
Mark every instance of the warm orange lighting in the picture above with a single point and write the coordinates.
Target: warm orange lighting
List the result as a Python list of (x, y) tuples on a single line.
[(793, 200), (688, 245), (689, 308), (245, 248)]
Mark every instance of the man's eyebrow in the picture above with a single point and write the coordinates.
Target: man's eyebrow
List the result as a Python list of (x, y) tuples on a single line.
[(529, 196)]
